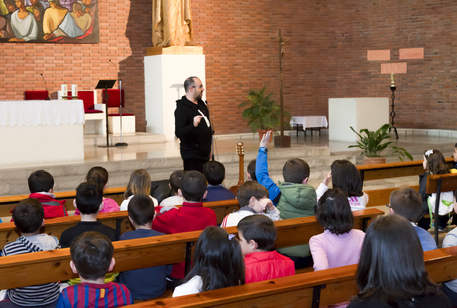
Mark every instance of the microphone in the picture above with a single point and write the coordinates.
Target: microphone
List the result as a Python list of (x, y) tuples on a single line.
[(46, 86), (114, 65)]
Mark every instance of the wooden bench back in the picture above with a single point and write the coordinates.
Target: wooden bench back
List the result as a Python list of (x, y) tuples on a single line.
[(437, 184), (116, 220), (49, 266), (392, 170), (313, 289)]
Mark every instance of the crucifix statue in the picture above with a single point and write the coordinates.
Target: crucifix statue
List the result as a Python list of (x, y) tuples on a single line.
[(281, 141)]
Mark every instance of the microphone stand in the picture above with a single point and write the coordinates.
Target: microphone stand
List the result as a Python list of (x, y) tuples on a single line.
[(212, 131), (46, 86), (119, 144)]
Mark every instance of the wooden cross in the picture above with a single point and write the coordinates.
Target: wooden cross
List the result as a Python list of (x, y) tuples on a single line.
[(282, 50)]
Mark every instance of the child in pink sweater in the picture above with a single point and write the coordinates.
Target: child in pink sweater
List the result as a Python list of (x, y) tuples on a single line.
[(99, 176), (339, 245)]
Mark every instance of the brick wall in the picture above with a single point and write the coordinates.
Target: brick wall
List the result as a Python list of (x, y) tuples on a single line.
[(325, 56)]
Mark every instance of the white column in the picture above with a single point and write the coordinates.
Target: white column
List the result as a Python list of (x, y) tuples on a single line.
[(165, 71)]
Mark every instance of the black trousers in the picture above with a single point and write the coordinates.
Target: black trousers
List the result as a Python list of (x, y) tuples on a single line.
[(194, 164)]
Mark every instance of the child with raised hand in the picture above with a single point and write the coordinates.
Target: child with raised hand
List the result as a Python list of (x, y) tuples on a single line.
[(253, 199), (434, 163), (91, 258), (391, 271), (339, 245), (99, 176), (345, 176), (146, 282), (218, 263), (28, 217), (257, 234), (139, 184)]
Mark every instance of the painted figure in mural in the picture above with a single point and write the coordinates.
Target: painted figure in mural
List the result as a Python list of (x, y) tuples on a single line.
[(5, 25), (53, 17), (171, 23), (82, 19), (38, 12), (23, 24)]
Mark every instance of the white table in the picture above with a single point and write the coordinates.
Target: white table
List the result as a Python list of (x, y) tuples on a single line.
[(33, 132), (309, 122)]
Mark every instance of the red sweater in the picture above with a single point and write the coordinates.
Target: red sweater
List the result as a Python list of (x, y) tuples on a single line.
[(189, 217), (52, 208), (265, 265)]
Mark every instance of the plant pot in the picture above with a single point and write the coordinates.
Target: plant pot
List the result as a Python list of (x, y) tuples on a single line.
[(282, 141), (374, 160), (263, 132)]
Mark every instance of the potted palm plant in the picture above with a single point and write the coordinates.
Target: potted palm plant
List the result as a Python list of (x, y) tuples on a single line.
[(261, 111), (373, 143)]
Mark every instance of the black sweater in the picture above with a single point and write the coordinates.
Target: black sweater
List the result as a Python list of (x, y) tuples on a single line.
[(195, 141)]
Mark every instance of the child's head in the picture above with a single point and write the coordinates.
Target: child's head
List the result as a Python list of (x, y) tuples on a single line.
[(141, 210), (392, 261), (346, 177), (256, 233), (38, 11), (91, 255), (10, 5), (99, 176), (434, 162), (175, 181), (139, 183), (217, 260), (28, 215), (40, 181), (251, 171), (251, 194), (89, 198), (193, 186), (78, 9), (214, 172), (334, 212), (407, 203), (296, 171)]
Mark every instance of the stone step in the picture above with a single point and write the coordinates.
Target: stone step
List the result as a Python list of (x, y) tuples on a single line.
[(130, 138)]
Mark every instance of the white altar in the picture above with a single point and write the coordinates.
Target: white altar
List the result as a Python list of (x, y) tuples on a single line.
[(360, 112), (34, 132), (165, 70)]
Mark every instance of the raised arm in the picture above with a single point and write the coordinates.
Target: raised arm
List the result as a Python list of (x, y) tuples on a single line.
[(261, 170)]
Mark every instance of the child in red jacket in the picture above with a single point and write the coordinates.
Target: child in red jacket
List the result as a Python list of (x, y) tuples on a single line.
[(257, 235), (41, 186), (192, 216)]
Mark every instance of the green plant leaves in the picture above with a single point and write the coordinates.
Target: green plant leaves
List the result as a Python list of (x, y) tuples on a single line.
[(373, 143)]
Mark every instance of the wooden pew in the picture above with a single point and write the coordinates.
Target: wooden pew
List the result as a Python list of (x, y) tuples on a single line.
[(379, 197), (437, 184), (116, 220), (7, 203), (313, 289), (53, 265), (392, 170)]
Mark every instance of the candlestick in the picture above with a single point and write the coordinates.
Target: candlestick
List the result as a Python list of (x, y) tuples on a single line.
[(74, 90), (392, 80)]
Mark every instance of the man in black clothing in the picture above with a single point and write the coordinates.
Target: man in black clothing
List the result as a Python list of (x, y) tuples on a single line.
[(192, 126)]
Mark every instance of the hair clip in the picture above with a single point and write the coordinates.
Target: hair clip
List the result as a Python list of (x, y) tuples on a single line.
[(428, 153), (230, 236)]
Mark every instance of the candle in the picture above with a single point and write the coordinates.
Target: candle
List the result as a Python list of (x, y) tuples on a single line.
[(74, 90), (392, 80), (64, 90)]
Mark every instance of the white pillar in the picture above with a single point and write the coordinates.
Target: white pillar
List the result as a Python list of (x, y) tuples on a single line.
[(165, 70)]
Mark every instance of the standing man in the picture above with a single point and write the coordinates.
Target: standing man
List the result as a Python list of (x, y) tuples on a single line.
[(192, 126)]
